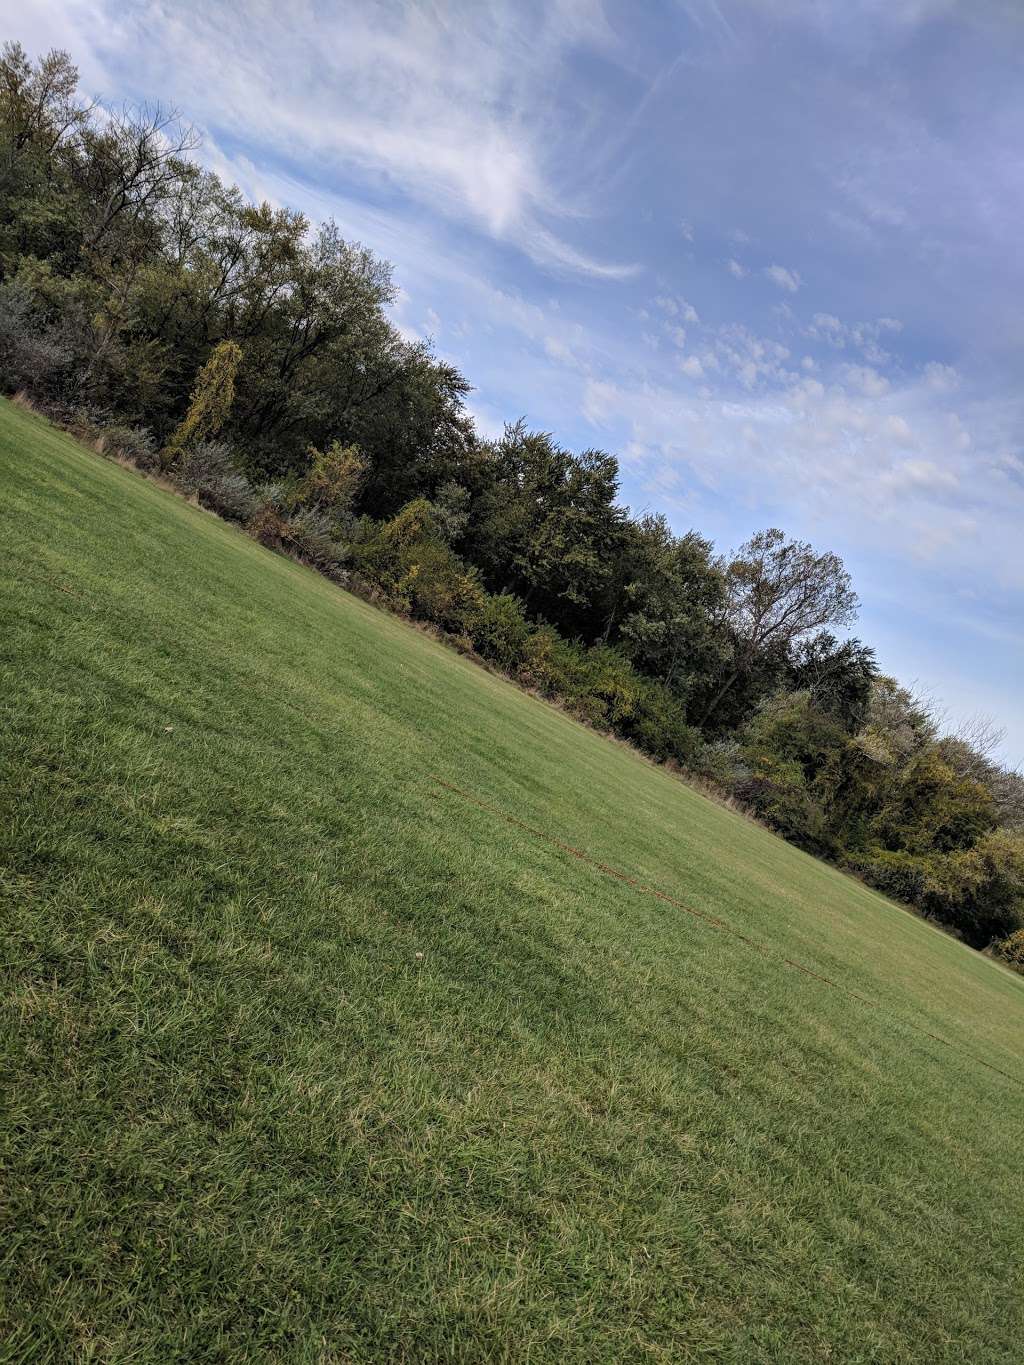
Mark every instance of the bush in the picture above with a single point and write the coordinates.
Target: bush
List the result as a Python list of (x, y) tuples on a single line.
[(979, 892), (268, 521), (1011, 950), (332, 482), (409, 561), (307, 535), (438, 588), (900, 876), (725, 764), (208, 471), (777, 792), (557, 668), (502, 632), (129, 443), (32, 356), (658, 726)]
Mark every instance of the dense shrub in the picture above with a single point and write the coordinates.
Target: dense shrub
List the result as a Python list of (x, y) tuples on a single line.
[(411, 563), (440, 590), (559, 669), (1011, 950), (501, 632), (210, 472), (32, 355), (657, 725), (307, 535), (724, 764), (777, 791), (331, 483), (979, 892), (900, 875), (268, 521), (130, 443)]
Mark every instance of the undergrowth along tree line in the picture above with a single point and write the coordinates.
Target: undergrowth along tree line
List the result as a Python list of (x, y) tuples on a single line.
[(250, 359)]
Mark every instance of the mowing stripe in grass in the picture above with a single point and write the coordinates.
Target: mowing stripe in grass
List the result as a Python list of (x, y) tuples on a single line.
[(713, 920)]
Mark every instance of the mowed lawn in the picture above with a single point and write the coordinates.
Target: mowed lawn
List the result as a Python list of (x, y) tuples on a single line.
[(309, 1057)]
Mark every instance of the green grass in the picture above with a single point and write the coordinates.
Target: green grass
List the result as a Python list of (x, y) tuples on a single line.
[(308, 1057)]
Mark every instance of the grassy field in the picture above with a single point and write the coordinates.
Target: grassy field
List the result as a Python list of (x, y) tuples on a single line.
[(358, 1007)]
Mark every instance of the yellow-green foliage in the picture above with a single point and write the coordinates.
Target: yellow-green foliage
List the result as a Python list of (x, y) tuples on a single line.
[(412, 564), (211, 400), (333, 480), (1011, 950)]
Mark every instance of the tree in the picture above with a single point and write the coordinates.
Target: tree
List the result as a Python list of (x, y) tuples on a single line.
[(133, 164), (547, 527), (38, 104), (777, 591), (666, 596), (211, 400), (837, 675)]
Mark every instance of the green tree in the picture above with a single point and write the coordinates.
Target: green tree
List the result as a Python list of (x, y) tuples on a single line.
[(778, 591), (547, 527), (666, 597)]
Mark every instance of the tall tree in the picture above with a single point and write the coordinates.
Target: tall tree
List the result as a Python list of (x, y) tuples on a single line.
[(778, 591)]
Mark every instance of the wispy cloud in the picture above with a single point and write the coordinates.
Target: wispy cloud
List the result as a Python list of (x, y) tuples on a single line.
[(452, 111)]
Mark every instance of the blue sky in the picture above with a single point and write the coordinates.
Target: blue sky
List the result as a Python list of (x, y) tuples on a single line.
[(766, 251)]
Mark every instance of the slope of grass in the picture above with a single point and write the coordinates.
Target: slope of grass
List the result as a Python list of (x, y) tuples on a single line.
[(310, 1056)]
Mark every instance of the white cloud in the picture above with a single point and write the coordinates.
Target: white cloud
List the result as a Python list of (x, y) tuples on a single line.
[(866, 380), (856, 455), (941, 378), (677, 307), (859, 336), (736, 270), (785, 279)]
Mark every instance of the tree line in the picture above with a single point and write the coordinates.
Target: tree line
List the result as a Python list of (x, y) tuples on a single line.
[(250, 359)]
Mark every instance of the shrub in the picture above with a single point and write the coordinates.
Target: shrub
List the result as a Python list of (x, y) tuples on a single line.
[(307, 535), (438, 588), (1011, 950), (725, 764), (268, 521), (502, 632), (409, 561), (332, 482), (32, 356), (658, 726), (898, 875), (208, 470), (777, 792), (979, 892), (129, 443), (556, 669), (611, 679)]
